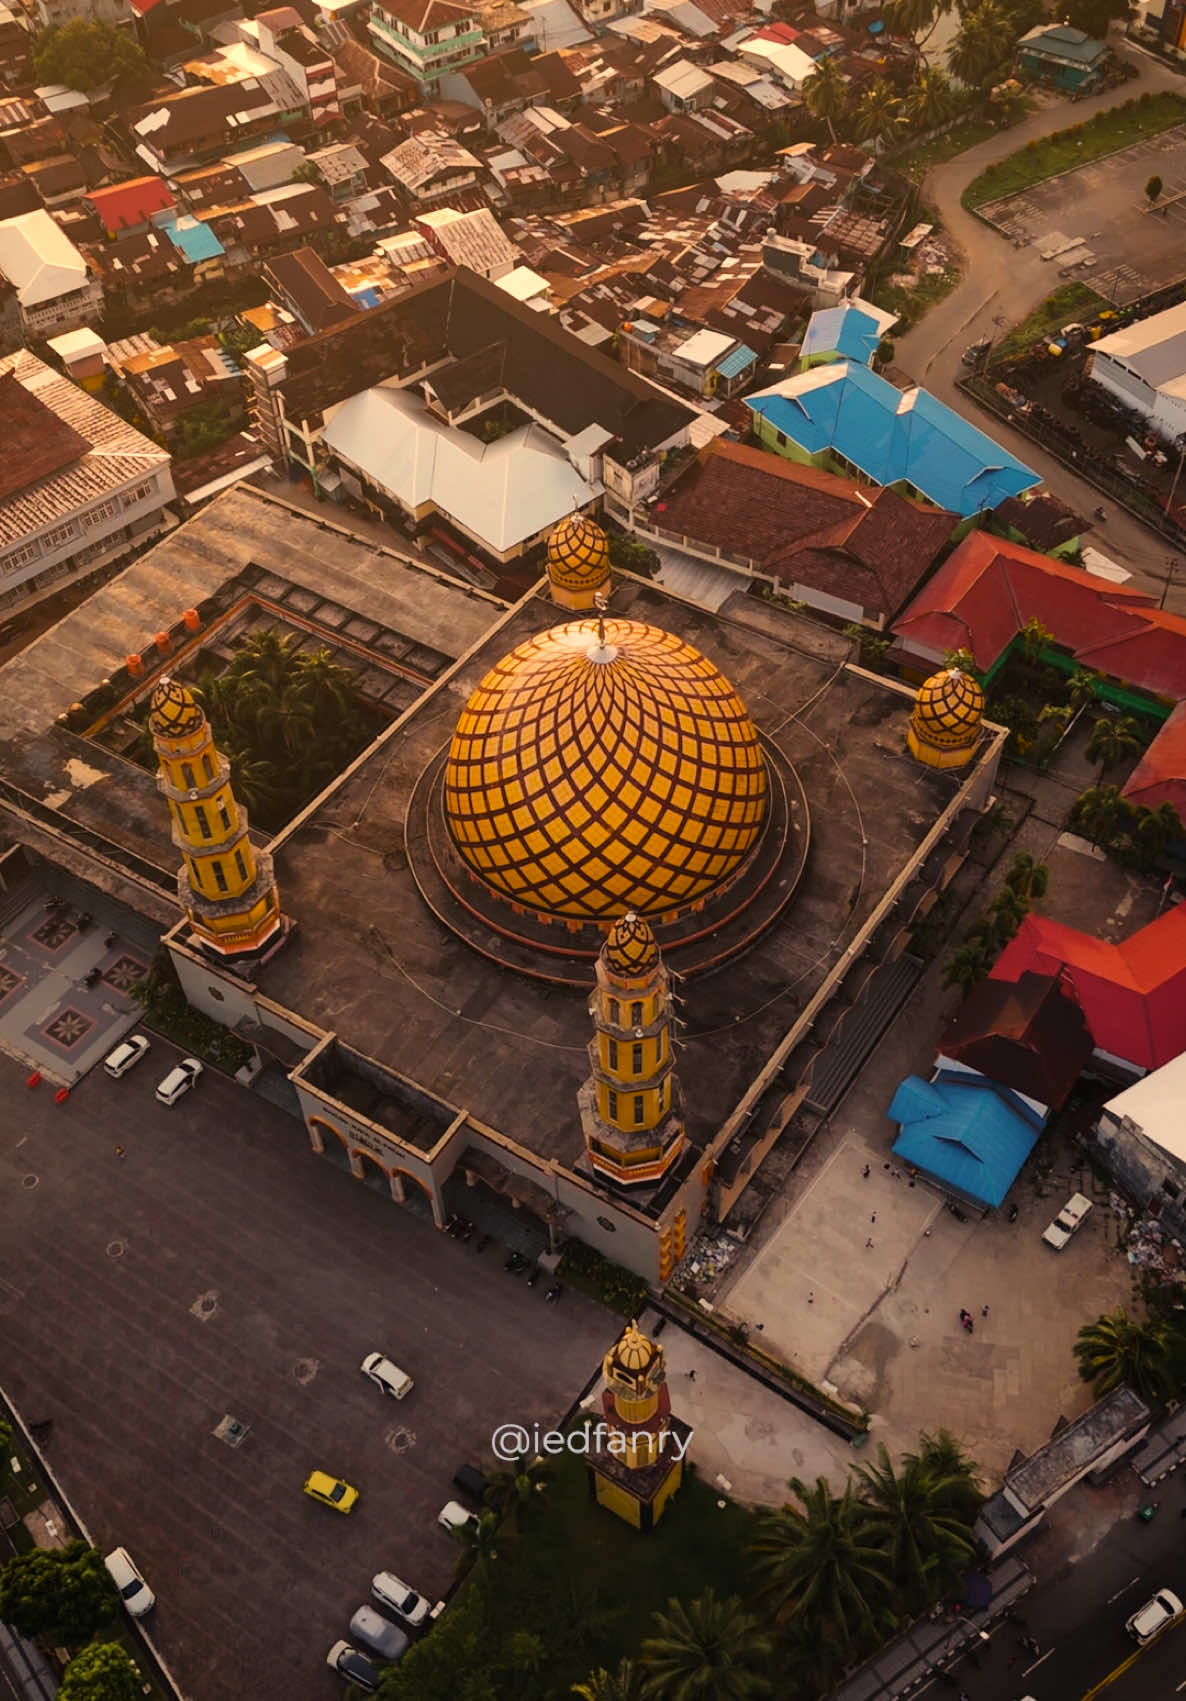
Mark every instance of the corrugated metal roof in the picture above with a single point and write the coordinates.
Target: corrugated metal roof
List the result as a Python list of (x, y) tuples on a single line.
[(965, 1132)]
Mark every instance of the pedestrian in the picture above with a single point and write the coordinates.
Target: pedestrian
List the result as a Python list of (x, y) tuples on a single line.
[(865, 1172), (873, 1218), (811, 1299), (868, 1243), (984, 1311), (691, 1376), (926, 1233)]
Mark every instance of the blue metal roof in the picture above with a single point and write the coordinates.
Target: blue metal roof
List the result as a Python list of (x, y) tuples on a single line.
[(194, 239), (970, 1134), (893, 436), (736, 363), (841, 330)]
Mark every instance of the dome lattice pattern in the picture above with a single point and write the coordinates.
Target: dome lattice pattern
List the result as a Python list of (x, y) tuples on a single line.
[(586, 787), (631, 948), (172, 711), (949, 707), (578, 553)]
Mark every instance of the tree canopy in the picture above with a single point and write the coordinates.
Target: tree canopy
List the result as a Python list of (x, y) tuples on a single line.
[(1094, 17), (102, 1671), (84, 54), (63, 1594)]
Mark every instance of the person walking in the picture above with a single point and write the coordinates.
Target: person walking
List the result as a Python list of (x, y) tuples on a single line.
[(984, 1311), (868, 1244), (865, 1172)]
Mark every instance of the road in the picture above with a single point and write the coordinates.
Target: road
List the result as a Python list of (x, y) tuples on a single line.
[(1001, 284)]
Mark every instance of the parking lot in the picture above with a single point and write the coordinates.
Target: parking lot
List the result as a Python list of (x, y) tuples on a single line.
[(1134, 250), (163, 1269)]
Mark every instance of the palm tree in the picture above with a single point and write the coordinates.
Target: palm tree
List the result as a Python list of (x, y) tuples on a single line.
[(929, 99), (1154, 829), (621, 1685), (1116, 1349), (706, 1650), (825, 93), (512, 1492), (926, 1542), (1005, 915), (1099, 811), (915, 18), (949, 1466), (981, 51), (477, 1543), (1029, 879), (968, 963), (879, 112), (1112, 740), (1081, 686), (1034, 638), (820, 1561)]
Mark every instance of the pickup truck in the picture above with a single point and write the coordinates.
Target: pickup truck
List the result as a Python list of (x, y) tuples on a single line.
[(1071, 1218)]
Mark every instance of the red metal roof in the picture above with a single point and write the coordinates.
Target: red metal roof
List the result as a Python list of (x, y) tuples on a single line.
[(1132, 994), (125, 205), (1160, 776)]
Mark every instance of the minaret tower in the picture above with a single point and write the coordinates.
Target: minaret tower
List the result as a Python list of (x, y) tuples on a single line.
[(224, 884), (578, 563), (638, 1463), (631, 1105)]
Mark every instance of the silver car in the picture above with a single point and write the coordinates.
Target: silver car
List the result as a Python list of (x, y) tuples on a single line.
[(377, 1634)]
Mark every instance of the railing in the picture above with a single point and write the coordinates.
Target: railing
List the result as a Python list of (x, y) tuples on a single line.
[(65, 827)]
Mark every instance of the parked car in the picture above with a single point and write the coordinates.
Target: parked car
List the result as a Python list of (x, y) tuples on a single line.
[(1153, 1617), (354, 1666), (134, 1592), (126, 1055), (1068, 1221), (472, 1483), (975, 352), (179, 1080), (378, 1635), (453, 1516), (386, 1376), (396, 1596), (331, 1491)]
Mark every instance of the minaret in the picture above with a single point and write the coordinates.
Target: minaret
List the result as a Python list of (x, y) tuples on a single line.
[(637, 1464), (944, 729), (224, 884), (631, 1105), (578, 563)]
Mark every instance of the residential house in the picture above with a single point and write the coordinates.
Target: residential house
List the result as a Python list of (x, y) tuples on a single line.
[(131, 207), (79, 488), (342, 169), (474, 240), (52, 288), (430, 167), (145, 271), (169, 383), (192, 126), (304, 284), (703, 362), (297, 51), (1138, 1137), (427, 38), (273, 223), (1065, 57), (1028, 1034), (852, 331), (198, 246), (370, 83), (683, 87)]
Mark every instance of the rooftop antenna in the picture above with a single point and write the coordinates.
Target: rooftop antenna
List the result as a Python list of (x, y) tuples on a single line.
[(600, 603)]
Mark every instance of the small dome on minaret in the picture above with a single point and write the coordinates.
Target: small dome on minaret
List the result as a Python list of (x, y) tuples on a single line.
[(578, 562)]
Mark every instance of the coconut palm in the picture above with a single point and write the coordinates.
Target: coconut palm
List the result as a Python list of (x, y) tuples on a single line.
[(1081, 686), (1098, 812), (916, 18), (952, 1470), (1112, 740), (968, 963), (706, 1650), (1034, 638), (1029, 879), (879, 112), (820, 1561), (1155, 829), (1116, 1349), (929, 100), (825, 93), (477, 1542), (512, 1492), (624, 1684), (1005, 915), (981, 51), (926, 1543)]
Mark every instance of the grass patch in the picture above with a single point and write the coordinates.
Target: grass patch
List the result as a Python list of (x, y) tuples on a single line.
[(601, 1279), (1107, 133), (911, 301), (1070, 301), (916, 162)]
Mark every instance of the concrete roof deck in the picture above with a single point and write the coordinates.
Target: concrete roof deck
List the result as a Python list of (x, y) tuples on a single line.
[(370, 962)]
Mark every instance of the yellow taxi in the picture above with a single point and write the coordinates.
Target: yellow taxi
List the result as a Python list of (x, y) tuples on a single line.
[(331, 1491)]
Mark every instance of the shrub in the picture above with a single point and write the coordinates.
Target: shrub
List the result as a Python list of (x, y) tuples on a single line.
[(621, 1290)]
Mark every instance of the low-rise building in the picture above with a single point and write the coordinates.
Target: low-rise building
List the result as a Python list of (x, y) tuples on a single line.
[(1144, 366), (1066, 57), (126, 209), (426, 38), (431, 167), (169, 383), (79, 488), (53, 289)]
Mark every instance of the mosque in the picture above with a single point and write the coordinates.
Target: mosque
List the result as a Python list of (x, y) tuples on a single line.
[(571, 938)]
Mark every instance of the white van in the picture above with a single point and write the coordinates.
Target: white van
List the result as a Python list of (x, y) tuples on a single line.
[(1068, 1221)]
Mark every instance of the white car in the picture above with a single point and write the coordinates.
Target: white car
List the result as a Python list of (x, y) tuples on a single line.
[(453, 1516), (1153, 1617), (133, 1590), (405, 1603), (126, 1055), (179, 1080), (386, 1376), (1068, 1221)]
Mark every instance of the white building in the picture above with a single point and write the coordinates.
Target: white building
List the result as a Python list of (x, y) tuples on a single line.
[(54, 289), (79, 488), (1144, 366)]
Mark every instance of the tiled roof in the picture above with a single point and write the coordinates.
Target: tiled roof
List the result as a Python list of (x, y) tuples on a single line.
[(112, 453), (425, 15), (1027, 1034), (131, 203), (1160, 775)]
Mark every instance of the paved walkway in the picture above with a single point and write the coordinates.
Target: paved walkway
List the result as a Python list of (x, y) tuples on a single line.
[(1001, 285)]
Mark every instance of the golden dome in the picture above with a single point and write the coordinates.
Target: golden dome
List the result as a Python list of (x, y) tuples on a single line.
[(589, 778), (949, 708), (633, 1359), (631, 948), (173, 713), (578, 554)]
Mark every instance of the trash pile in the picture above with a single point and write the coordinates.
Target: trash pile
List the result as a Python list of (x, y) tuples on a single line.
[(1151, 1248), (708, 1257)]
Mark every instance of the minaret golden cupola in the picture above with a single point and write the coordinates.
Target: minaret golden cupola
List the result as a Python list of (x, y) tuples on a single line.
[(578, 563), (944, 728), (224, 885), (640, 1462), (631, 1106)]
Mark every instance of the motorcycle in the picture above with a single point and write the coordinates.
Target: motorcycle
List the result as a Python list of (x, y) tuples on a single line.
[(1013, 1213), (516, 1264), (553, 1294), (92, 977)]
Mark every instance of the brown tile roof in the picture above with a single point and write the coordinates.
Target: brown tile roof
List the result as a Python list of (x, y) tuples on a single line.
[(36, 442), (381, 83), (425, 15), (308, 286), (1029, 1035)]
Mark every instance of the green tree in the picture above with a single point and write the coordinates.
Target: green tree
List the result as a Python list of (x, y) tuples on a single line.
[(916, 19), (238, 337), (965, 661), (624, 1684), (952, 1470), (1034, 638), (630, 555), (926, 1540), (1098, 812), (825, 93), (102, 1671), (879, 113), (63, 1594), (477, 1543), (1029, 879), (1153, 189), (1112, 741), (706, 1650), (820, 1561), (1116, 1349), (1154, 830), (513, 1492), (968, 963), (1095, 17), (981, 52), (1082, 686), (84, 54), (1006, 913), (929, 100)]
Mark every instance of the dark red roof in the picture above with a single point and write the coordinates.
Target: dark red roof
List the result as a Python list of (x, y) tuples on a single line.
[(36, 442), (1028, 1035), (1133, 994)]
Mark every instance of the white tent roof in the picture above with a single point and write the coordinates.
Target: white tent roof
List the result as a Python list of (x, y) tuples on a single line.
[(1155, 1103), (38, 258), (501, 493)]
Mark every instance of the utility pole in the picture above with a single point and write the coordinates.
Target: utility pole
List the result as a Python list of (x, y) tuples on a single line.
[(1172, 564)]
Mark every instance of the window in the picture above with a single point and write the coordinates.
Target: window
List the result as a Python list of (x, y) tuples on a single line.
[(782, 439), (20, 557), (636, 1061), (130, 498), (215, 994), (207, 767), (615, 1012), (203, 821), (219, 875), (240, 865), (613, 1105), (636, 1015), (187, 776), (639, 1109), (101, 511), (222, 813), (613, 1054), (59, 535)]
